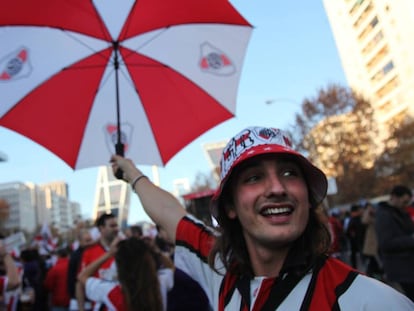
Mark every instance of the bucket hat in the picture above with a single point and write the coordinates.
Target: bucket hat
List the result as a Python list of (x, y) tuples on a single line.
[(254, 141)]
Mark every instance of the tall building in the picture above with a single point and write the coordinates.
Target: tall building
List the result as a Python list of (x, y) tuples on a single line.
[(31, 205), (375, 43), (22, 206), (181, 187), (59, 187), (213, 152), (112, 196)]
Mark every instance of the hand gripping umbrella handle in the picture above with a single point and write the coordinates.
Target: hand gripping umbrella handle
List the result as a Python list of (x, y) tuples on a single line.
[(119, 149)]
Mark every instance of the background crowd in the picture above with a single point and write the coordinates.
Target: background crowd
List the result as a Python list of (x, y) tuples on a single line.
[(376, 239)]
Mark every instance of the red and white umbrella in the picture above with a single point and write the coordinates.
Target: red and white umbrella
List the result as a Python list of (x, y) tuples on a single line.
[(81, 77)]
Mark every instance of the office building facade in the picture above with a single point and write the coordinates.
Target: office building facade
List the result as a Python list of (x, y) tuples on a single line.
[(376, 47), (30, 206)]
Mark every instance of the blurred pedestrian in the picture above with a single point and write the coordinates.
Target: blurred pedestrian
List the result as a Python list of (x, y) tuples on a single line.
[(410, 210), (9, 285), (186, 294), (163, 243), (134, 231), (9, 277), (270, 252), (373, 265), (395, 232), (108, 229), (141, 286), (84, 240), (338, 236), (34, 295), (56, 282), (355, 233)]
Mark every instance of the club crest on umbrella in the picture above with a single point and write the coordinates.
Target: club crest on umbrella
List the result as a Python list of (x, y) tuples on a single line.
[(111, 134), (215, 61), (15, 65)]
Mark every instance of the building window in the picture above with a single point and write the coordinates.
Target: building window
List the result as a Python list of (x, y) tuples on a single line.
[(383, 71), (388, 67), (363, 16), (378, 57), (356, 6), (387, 88), (374, 22), (367, 30)]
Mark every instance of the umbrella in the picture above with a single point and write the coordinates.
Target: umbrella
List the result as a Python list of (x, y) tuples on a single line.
[(86, 79)]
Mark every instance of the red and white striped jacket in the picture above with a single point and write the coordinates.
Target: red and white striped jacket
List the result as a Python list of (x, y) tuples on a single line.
[(329, 285)]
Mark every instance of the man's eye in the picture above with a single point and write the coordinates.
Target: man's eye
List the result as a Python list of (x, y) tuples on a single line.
[(290, 172), (251, 178)]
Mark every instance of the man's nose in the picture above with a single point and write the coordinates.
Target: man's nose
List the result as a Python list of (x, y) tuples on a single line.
[(274, 185)]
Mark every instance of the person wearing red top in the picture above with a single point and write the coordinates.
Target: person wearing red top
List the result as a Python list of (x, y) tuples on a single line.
[(270, 250), (337, 232), (141, 284), (56, 282), (410, 210), (108, 228)]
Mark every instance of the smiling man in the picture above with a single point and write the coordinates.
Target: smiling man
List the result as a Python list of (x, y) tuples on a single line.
[(270, 249)]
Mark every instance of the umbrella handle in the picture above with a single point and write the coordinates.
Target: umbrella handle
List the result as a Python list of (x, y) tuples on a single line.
[(119, 149)]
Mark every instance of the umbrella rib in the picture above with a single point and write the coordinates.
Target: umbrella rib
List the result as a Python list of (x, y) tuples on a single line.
[(84, 44), (155, 36)]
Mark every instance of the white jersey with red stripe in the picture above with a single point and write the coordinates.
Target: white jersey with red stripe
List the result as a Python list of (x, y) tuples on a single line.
[(109, 293), (361, 293)]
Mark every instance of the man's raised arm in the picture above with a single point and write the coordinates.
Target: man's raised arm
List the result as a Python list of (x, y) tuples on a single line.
[(160, 205)]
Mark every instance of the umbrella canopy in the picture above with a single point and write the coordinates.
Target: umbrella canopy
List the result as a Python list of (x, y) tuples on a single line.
[(81, 77)]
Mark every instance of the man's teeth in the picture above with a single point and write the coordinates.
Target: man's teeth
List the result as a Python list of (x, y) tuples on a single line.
[(275, 211)]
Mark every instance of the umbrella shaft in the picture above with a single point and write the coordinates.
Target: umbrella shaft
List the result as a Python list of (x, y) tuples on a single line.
[(118, 122)]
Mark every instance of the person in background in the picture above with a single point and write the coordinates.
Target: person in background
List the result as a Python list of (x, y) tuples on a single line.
[(10, 278), (108, 229), (355, 233), (141, 285), (370, 247), (187, 294), (410, 210), (338, 245), (56, 282), (34, 295), (84, 240), (162, 243), (134, 231), (395, 233), (270, 249)]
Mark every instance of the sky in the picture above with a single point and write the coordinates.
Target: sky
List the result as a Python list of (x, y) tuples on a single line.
[(291, 55)]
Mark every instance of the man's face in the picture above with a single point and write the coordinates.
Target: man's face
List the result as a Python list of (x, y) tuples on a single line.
[(401, 202), (109, 230), (270, 199), (86, 239)]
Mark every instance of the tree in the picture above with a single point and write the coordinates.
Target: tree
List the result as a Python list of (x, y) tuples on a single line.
[(336, 130), (396, 163)]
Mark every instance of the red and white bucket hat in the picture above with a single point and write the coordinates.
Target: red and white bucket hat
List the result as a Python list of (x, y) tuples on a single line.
[(254, 141)]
